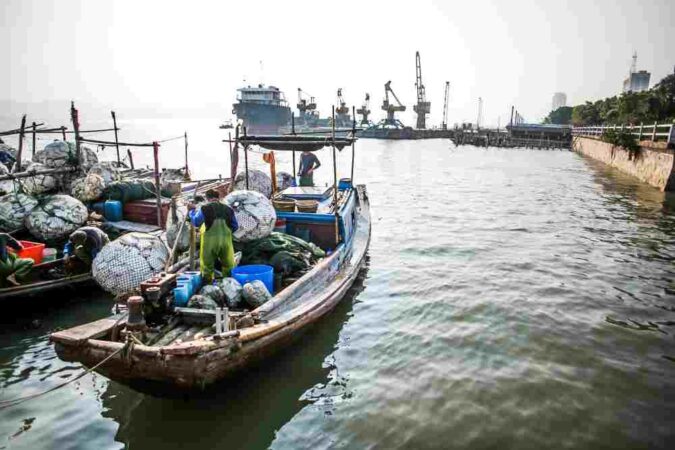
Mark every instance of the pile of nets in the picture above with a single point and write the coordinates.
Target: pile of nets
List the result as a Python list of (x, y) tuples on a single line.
[(129, 191), (284, 180), (255, 215), (14, 208), (38, 184), (6, 186), (59, 154), (290, 256), (89, 188), (129, 260), (256, 293), (226, 292), (107, 170), (56, 217), (258, 181), (169, 176)]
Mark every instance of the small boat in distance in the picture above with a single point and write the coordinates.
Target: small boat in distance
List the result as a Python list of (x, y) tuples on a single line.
[(262, 109)]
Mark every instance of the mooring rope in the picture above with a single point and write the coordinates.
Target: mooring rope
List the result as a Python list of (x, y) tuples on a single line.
[(4, 404)]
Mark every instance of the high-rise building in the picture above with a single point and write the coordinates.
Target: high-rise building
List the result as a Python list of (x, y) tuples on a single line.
[(637, 81), (559, 100)]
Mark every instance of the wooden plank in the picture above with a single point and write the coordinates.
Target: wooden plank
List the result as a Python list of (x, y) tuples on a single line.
[(80, 334)]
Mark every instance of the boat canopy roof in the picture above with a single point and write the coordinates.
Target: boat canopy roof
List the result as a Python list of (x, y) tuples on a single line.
[(297, 143)]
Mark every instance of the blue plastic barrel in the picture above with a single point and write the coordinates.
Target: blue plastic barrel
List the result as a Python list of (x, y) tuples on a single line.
[(188, 281), (246, 274), (181, 295), (344, 184), (99, 207), (112, 210), (196, 277)]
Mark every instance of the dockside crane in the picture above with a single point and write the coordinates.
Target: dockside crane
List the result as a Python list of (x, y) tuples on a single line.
[(390, 108), (444, 125), (364, 110), (303, 105), (423, 107)]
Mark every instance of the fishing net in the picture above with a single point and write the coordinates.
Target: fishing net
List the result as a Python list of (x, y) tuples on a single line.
[(14, 208), (284, 180), (130, 190), (202, 302), (38, 184), (258, 181), (6, 186), (56, 217), (289, 255), (255, 215), (169, 176), (10, 150), (214, 292), (129, 260), (59, 154), (256, 294), (107, 170), (89, 188), (232, 290)]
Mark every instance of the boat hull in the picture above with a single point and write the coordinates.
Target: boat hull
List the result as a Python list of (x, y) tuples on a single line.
[(195, 364), (262, 118)]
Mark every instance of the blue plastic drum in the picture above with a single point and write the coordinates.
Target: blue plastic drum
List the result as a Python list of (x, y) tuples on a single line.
[(246, 274), (181, 295), (112, 210)]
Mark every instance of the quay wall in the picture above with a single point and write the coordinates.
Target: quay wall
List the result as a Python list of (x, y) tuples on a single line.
[(655, 165)]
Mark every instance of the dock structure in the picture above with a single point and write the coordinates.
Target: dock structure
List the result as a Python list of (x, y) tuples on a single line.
[(536, 136)]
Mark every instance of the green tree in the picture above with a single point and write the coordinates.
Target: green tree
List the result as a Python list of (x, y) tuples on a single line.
[(561, 116)]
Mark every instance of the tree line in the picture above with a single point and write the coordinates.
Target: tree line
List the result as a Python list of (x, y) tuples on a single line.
[(654, 105)]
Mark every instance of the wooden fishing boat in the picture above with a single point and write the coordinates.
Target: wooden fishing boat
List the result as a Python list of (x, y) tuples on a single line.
[(45, 278), (190, 352)]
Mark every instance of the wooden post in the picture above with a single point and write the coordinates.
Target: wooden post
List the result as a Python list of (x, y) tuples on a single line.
[(117, 142), (187, 169), (351, 179), (293, 133), (19, 153), (74, 116), (654, 132), (335, 191), (63, 133), (246, 160), (34, 135), (131, 159), (155, 153)]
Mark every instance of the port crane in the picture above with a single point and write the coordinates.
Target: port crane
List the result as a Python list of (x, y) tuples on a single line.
[(391, 108), (444, 125), (364, 110), (303, 105), (423, 107)]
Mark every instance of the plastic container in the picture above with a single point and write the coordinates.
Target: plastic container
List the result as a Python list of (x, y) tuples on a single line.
[(98, 207), (32, 250), (196, 277), (246, 274), (181, 295), (112, 210), (344, 184), (187, 281), (49, 255)]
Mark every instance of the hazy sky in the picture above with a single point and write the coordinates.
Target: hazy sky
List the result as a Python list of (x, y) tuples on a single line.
[(192, 54)]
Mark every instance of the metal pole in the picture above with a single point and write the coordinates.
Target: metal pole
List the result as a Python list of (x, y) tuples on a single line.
[(351, 179), (187, 169), (34, 134), (19, 153), (155, 154), (117, 142), (246, 160), (335, 191), (293, 133)]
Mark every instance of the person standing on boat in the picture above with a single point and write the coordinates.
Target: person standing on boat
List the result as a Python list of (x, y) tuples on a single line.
[(12, 268), (82, 247), (216, 223), (308, 164)]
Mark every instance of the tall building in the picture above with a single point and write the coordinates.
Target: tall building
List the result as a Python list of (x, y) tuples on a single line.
[(559, 100), (637, 81)]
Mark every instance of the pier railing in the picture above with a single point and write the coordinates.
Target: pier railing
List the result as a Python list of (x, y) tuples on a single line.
[(664, 132)]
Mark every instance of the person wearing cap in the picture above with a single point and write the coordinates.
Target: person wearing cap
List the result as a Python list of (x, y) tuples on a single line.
[(83, 246), (216, 222)]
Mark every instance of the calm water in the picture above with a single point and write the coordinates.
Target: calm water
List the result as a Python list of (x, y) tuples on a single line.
[(512, 299)]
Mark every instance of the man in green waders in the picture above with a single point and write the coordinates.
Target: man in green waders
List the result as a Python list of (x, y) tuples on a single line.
[(12, 268), (216, 223), (308, 164)]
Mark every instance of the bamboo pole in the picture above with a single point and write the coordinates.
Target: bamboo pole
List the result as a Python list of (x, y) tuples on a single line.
[(19, 153), (155, 153), (293, 133), (187, 169), (117, 142), (74, 116), (34, 136), (351, 179), (131, 159), (63, 133), (33, 173), (246, 160)]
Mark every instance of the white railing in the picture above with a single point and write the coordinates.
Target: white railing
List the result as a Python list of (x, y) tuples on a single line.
[(664, 132)]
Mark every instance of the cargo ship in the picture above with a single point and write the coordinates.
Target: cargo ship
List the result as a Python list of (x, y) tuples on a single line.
[(262, 109)]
